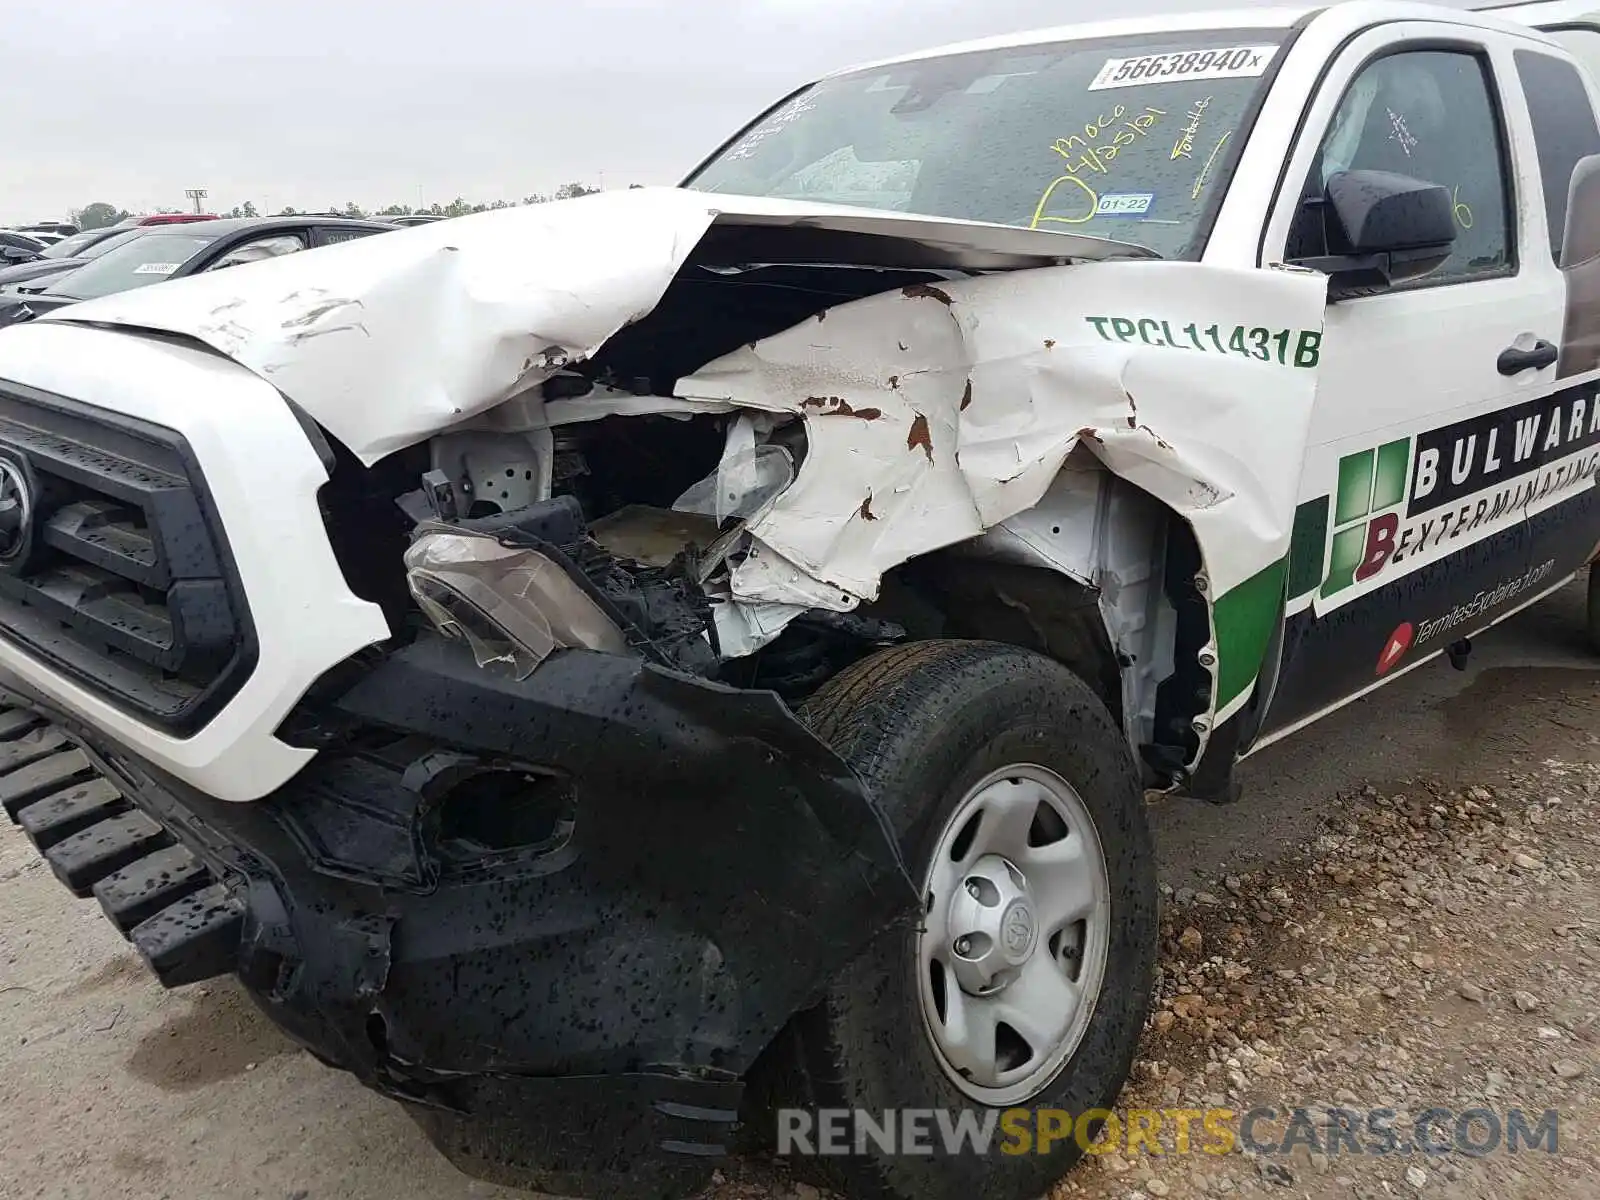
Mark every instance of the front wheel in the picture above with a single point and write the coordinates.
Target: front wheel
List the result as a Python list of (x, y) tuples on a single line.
[(1021, 816)]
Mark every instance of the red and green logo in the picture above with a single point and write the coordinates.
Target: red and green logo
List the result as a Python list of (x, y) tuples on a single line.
[(1366, 517)]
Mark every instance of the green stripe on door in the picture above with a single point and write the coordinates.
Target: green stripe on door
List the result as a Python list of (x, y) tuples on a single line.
[(1307, 545), (1243, 618)]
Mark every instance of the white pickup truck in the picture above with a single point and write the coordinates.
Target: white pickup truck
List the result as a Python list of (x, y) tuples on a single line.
[(586, 667)]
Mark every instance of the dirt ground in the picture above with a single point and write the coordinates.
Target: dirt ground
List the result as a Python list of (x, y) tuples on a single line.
[(1403, 911)]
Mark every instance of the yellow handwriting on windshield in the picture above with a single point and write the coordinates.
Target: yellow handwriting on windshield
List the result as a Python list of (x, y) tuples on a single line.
[(1184, 146), (1084, 157), (1205, 171)]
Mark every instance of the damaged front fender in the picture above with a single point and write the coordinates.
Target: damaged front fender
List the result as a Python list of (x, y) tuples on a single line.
[(937, 412)]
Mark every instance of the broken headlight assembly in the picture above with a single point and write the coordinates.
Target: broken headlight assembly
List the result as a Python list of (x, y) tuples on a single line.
[(513, 606)]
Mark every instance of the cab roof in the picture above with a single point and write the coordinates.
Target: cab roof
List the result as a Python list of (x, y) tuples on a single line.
[(1356, 14)]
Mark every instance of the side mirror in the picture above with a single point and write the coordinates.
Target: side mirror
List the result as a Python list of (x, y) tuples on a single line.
[(1580, 271), (1383, 229), (16, 254), (1580, 241)]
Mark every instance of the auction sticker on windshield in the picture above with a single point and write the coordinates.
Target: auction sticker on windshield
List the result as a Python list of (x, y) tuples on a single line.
[(1230, 62), (1124, 204)]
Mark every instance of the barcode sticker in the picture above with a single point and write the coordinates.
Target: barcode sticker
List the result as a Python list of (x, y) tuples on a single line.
[(1230, 62)]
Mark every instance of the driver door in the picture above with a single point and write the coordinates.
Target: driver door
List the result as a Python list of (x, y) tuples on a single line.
[(1429, 392)]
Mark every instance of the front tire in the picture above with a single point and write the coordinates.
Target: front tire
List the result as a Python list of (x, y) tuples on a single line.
[(1020, 813)]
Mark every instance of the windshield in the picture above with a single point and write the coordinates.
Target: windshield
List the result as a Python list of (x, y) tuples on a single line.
[(138, 261), (71, 247), (1124, 138), (107, 245)]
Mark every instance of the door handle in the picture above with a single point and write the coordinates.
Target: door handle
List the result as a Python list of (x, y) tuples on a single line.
[(1512, 360)]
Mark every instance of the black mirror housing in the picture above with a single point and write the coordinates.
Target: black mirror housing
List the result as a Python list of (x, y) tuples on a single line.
[(1379, 212), (1383, 229)]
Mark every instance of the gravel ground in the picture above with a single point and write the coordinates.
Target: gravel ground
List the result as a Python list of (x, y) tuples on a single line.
[(1435, 946), (1404, 912)]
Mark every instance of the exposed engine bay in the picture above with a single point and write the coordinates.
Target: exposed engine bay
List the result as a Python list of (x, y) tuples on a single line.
[(650, 511)]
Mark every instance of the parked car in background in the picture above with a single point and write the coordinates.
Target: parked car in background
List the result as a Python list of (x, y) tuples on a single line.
[(18, 247), (66, 255), (75, 244), (414, 219), (51, 228), (166, 219), (154, 253)]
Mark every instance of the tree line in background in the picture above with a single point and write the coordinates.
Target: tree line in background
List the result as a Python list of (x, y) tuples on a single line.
[(99, 214)]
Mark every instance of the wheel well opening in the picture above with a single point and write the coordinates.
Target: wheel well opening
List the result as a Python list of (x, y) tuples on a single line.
[(1184, 694), (1035, 608)]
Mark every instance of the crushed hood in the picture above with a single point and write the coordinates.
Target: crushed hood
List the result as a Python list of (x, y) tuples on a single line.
[(387, 340)]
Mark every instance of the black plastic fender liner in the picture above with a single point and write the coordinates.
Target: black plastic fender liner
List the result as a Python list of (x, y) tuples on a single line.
[(708, 811)]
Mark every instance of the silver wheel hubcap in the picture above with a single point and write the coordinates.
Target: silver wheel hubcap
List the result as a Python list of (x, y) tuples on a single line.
[(1013, 945)]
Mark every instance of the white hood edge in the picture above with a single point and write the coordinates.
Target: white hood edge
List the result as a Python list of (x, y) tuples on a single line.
[(389, 339)]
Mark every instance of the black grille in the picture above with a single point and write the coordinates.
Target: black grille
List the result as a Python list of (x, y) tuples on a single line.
[(114, 568)]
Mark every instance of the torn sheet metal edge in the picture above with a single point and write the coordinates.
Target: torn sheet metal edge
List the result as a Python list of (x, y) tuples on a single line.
[(388, 339), (990, 383)]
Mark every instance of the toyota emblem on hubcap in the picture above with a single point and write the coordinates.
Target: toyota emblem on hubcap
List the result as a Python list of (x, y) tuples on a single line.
[(16, 509), (1017, 931)]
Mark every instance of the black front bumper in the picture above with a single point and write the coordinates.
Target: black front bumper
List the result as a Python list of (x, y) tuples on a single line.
[(575, 1013)]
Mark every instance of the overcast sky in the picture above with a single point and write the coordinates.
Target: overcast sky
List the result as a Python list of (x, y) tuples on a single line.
[(317, 102)]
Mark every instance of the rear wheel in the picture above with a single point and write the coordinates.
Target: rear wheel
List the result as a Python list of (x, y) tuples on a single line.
[(1021, 816)]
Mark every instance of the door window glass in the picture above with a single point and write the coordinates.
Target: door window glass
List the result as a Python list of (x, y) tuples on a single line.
[(267, 247), (1426, 114), (1563, 130)]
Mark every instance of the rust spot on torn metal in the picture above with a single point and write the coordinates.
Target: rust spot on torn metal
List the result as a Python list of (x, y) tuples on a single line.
[(920, 436), (1092, 434), (1160, 441), (837, 406), (1133, 411), (966, 396), (1049, 343), (926, 291), (866, 509)]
